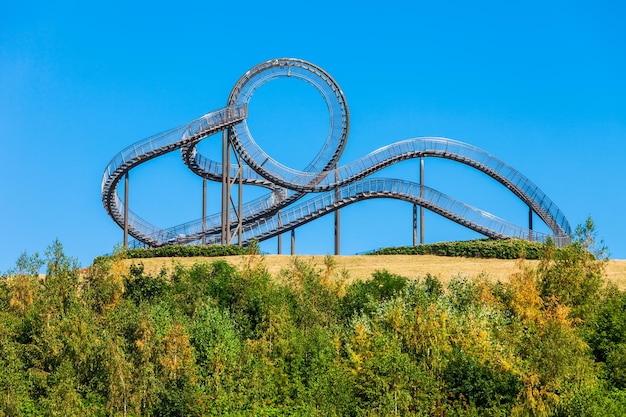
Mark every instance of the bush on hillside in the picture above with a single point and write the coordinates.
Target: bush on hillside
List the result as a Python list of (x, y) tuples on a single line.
[(212, 339), (181, 251), (480, 248)]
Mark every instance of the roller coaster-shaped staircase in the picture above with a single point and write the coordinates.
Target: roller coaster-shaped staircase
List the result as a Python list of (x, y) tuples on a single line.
[(335, 186)]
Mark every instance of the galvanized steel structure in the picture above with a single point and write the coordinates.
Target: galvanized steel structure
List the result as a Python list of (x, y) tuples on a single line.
[(244, 162)]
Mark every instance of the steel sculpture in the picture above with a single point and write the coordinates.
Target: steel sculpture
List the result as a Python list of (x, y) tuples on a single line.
[(334, 186)]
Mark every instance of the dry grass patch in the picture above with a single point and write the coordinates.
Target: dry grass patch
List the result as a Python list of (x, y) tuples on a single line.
[(616, 273), (362, 267)]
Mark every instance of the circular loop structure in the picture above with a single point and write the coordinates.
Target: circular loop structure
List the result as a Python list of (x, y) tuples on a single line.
[(243, 141), (280, 211)]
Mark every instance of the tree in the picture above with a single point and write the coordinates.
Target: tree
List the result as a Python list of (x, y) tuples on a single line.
[(574, 274), (61, 281)]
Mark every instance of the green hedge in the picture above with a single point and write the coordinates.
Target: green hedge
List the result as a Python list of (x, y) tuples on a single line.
[(180, 251), (186, 251), (480, 248)]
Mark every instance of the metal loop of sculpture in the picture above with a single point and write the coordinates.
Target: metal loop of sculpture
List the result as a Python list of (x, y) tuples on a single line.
[(334, 186)]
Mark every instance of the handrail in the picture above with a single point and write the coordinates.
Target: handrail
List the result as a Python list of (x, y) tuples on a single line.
[(157, 145), (450, 149), (336, 185), (327, 202)]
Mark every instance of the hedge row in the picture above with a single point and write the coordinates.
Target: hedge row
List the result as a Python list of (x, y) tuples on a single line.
[(480, 248), (180, 251)]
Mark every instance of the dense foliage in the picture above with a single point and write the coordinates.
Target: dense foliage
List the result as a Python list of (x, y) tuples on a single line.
[(479, 248), (214, 340), (178, 251)]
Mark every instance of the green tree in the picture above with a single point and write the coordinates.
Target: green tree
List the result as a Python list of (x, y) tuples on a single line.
[(15, 385), (61, 281), (574, 274), (364, 296), (607, 337)]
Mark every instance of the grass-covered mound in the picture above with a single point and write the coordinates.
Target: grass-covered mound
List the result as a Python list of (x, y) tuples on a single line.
[(479, 248)]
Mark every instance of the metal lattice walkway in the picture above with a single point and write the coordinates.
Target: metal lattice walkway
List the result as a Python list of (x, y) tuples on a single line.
[(334, 186)]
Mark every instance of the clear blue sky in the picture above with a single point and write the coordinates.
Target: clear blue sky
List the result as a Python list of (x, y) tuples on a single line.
[(541, 85)]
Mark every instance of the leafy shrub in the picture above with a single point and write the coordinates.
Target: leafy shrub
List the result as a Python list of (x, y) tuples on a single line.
[(607, 337), (478, 383), (364, 296), (140, 287), (573, 275), (432, 286), (180, 251), (463, 293), (480, 248)]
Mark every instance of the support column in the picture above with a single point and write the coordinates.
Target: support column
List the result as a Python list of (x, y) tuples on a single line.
[(530, 223), (337, 233), (280, 237), (414, 224), (337, 218), (203, 211), (240, 202), (126, 211), (225, 188), (421, 196), (228, 182), (293, 242)]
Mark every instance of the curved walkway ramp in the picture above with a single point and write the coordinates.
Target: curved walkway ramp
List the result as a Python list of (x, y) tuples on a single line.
[(330, 201), (334, 186)]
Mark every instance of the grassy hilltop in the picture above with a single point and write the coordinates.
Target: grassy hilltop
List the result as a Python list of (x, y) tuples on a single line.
[(494, 260)]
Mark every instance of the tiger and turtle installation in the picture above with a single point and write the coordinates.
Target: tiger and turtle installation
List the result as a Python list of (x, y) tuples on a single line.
[(295, 197)]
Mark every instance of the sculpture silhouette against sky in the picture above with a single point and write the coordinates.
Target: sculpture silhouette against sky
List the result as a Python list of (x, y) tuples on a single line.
[(296, 197)]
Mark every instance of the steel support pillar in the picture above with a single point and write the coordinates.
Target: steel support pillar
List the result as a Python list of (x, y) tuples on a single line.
[(530, 223), (280, 237), (239, 202), (225, 188), (337, 233), (414, 224), (203, 211), (337, 218), (293, 242), (126, 211), (227, 198), (421, 196)]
